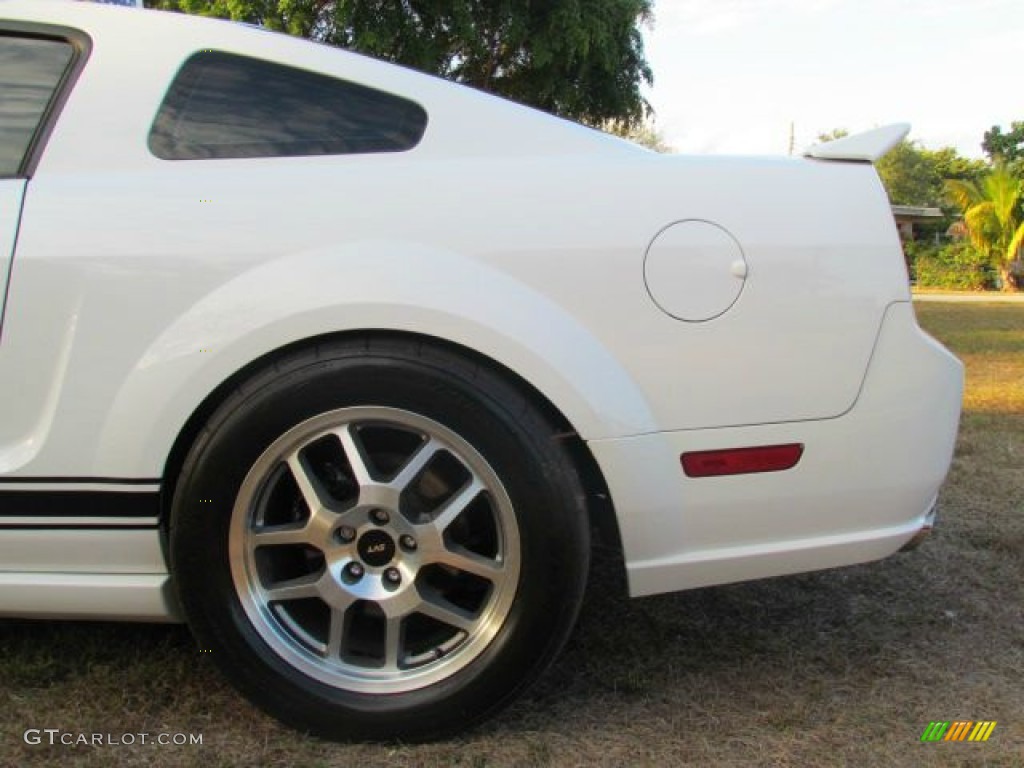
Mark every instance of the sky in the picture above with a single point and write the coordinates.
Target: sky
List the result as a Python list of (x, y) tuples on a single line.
[(731, 76)]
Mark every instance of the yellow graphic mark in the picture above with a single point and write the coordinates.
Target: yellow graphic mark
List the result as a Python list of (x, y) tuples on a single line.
[(982, 730)]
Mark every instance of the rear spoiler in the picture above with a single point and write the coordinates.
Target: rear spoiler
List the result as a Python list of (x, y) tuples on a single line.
[(864, 147)]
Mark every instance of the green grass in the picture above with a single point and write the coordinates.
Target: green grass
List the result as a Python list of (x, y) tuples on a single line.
[(845, 667)]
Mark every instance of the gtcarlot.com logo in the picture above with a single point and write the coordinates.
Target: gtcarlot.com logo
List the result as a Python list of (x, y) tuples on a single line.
[(56, 737)]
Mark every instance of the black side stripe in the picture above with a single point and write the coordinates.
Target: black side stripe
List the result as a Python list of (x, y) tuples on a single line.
[(70, 527), (79, 504), (81, 480)]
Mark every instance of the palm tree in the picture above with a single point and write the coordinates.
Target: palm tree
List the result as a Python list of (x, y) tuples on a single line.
[(992, 216)]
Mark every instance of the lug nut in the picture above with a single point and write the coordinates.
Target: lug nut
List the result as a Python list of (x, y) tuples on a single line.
[(346, 534), (380, 517), (393, 576), (354, 571), (407, 542)]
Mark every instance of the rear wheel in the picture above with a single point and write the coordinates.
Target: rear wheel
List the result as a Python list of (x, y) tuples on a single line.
[(379, 541)]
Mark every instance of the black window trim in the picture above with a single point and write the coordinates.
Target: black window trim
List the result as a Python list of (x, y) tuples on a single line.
[(81, 47), (284, 65)]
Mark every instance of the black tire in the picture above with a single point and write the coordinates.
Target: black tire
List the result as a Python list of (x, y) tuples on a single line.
[(490, 632)]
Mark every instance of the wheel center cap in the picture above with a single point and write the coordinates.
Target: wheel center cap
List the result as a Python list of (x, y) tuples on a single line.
[(376, 548)]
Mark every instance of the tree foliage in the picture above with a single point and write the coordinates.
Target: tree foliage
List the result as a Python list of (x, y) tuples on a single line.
[(993, 218), (914, 175), (910, 175), (950, 164), (581, 59), (957, 266), (1006, 148)]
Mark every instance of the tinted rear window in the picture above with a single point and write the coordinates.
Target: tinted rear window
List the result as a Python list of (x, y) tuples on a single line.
[(222, 106), (30, 71)]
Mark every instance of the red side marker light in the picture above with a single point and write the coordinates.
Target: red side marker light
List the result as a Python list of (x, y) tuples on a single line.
[(742, 461)]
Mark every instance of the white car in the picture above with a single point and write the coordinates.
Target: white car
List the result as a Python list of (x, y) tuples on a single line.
[(342, 364)]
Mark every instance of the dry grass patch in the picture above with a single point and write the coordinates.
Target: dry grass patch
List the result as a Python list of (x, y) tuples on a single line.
[(842, 668), (989, 338)]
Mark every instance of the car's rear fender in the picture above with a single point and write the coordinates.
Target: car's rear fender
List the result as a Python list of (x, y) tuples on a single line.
[(864, 486), (380, 286)]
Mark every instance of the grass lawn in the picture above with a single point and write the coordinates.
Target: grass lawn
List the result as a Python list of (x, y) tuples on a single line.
[(845, 667)]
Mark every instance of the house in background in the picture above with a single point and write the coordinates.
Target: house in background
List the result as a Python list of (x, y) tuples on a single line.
[(908, 215)]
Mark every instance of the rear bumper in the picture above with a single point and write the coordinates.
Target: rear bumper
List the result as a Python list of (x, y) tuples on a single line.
[(923, 532), (863, 489)]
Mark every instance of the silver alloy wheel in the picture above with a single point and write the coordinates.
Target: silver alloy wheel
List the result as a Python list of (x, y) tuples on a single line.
[(374, 549)]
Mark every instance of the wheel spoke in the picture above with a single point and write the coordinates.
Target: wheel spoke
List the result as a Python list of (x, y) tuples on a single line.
[(470, 562), (314, 531), (307, 483), (392, 642), (280, 534), (415, 464), (456, 505), (294, 589), (447, 614), (335, 632), (354, 454)]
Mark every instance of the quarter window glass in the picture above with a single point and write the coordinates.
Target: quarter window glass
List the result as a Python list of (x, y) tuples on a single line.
[(30, 70), (222, 106)]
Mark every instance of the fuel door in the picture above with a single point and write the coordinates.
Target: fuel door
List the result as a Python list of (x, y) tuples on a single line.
[(694, 270)]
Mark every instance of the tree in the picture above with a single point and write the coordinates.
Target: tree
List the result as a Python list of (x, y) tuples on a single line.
[(950, 164), (913, 175), (1006, 148), (581, 59), (992, 216), (910, 175)]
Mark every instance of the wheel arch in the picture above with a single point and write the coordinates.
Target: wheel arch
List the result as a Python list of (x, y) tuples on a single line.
[(599, 504)]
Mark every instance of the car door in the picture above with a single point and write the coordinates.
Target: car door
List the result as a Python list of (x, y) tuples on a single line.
[(11, 191), (32, 69)]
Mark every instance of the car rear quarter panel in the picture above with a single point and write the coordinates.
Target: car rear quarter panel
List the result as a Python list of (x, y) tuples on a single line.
[(164, 281), (508, 232)]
